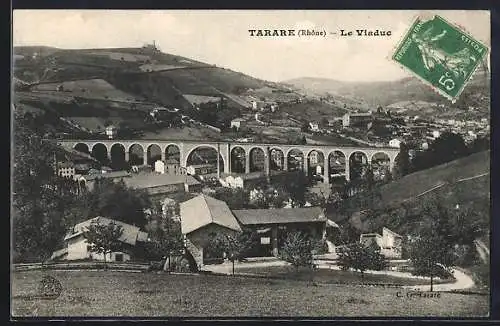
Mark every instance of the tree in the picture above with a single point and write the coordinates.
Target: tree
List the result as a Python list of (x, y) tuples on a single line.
[(296, 184), (402, 164), (236, 247), (431, 253), (297, 250), (103, 238), (447, 147), (115, 200), (234, 198), (369, 179), (41, 199), (479, 145), (362, 258)]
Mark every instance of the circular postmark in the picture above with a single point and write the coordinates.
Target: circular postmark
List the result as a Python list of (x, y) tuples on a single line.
[(49, 287)]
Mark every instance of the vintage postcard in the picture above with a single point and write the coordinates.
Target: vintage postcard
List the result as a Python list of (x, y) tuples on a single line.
[(250, 163)]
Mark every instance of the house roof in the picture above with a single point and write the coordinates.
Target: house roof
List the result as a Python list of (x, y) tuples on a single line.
[(390, 231), (360, 114), (65, 164), (332, 224), (280, 215), (252, 175), (370, 235), (143, 181), (201, 165), (82, 166), (203, 210), (131, 234), (112, 174)]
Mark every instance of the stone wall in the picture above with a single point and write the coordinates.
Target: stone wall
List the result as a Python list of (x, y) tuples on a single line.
[(198, 239), (196, 251)]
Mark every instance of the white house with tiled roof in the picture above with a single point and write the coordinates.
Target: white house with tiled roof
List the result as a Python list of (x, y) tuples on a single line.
[(77, 248)]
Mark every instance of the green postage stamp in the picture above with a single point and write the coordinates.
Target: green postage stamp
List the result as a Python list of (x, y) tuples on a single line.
[(440, 54)]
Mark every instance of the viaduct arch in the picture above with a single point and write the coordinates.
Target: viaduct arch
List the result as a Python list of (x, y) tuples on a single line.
[(225, 149)]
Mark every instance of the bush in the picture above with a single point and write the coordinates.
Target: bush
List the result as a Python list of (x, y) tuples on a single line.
[(361, 258), (320, 247), (297, 250), (481, 274)]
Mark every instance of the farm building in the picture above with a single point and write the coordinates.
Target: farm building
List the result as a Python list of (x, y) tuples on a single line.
[(161, 184), (389, 242), (201, 169), (203, 217), (272, 225), (76, 246), (169, 166)]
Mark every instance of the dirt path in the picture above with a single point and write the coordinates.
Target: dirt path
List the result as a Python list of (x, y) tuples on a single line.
[(462, 280)]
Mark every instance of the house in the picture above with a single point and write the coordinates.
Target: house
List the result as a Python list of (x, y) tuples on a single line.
[(169, 166), (111, 131), (66, 169), (334, 121), (168, 208), (248, 180), (201, 169), (314, 126), (396, 143), (255, 105), (390, 242), (82, 168), (141, 169), (201, 218), (162, 184), (273, 224), (106, 169), (89, 180), (241, 180), (313, 158), (356, 119), (76, 246), (238, 123)]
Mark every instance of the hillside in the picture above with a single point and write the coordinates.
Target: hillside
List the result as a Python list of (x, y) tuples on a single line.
[(91, 88), (464, 182), (385, 93), (122, 85)]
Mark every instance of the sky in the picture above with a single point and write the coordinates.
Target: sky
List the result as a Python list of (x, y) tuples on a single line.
[(221, 37)]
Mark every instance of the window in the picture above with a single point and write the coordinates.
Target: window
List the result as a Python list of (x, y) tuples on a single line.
[(118, 257)]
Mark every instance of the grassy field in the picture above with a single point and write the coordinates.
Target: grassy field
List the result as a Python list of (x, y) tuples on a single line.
[(90, 88), (99, 293), (333, 276), (417, 183)]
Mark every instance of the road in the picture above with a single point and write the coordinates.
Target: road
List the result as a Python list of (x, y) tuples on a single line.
[(462, 280)]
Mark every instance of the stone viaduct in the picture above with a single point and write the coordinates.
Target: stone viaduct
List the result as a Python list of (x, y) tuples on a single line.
[(226, 150)]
